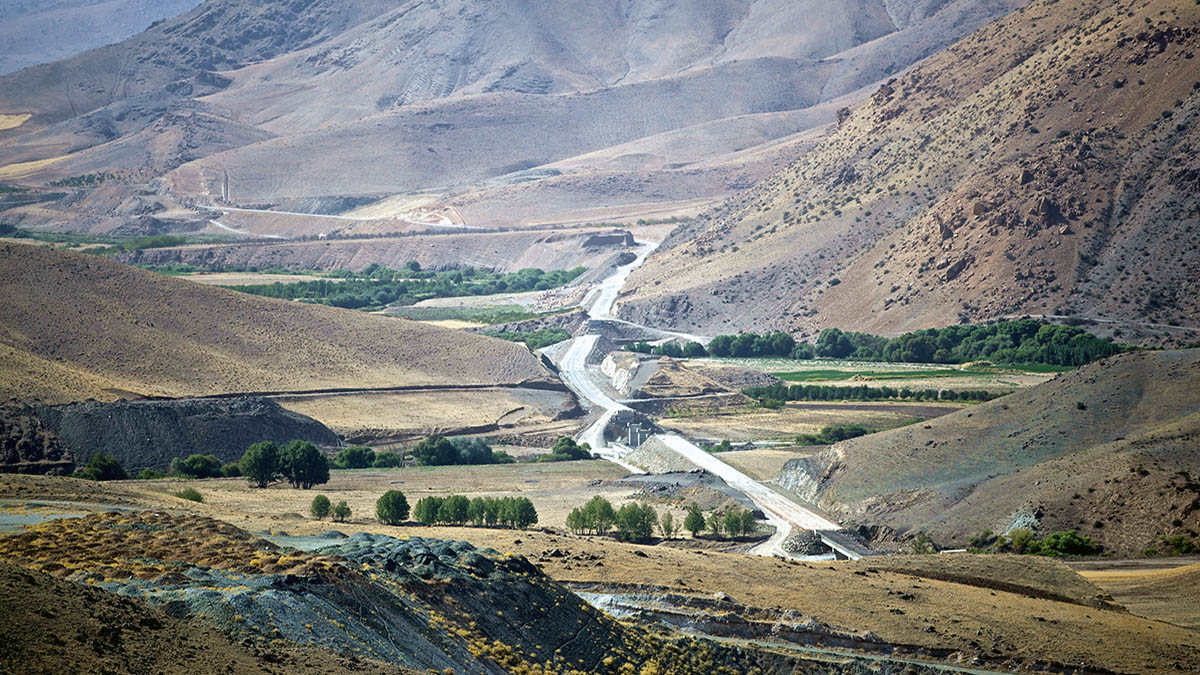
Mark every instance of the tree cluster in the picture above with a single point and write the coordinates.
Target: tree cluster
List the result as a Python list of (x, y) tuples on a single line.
[(1026, 542), (514, 512), (820, 392), (300, 463), (566, 449), (379, 286), (441, 451)]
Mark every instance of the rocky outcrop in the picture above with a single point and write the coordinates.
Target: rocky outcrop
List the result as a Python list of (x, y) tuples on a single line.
[(28, 447)]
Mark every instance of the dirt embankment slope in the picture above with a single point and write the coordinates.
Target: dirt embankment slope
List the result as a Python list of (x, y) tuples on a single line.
[(1109, 450), (51, 625), (74, 327), (1045, 164)]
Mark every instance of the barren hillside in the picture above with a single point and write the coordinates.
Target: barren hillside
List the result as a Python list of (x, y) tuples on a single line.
[(1044, 165), (370, 99), (74, 327), (1109, 450), (43, 31)]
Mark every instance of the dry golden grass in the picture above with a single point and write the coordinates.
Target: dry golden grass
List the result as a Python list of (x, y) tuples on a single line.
[(428, 412), (153, 334), (763, 463), (8, 121), (1171, 595), (22, 169), (898, 606), (746, 424)]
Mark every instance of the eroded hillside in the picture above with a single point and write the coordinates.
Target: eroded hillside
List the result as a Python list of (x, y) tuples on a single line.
[(1045, 165), (1108, 450)]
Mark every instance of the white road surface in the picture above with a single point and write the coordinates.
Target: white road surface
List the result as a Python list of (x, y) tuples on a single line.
[(781, 512)]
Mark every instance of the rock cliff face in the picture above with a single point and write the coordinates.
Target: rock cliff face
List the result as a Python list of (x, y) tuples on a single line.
[(1044, 165), (26, 446), (148, 434)]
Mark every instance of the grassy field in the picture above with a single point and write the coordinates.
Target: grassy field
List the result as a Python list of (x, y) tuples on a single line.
[(1166, 589), (911, 375), (755, 424), (251, 278), (763, 463)]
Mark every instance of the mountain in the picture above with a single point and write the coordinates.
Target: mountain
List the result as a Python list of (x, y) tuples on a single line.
[(1108, 450), (77, 326), (41, 31), (1044, 165), (371, 99)]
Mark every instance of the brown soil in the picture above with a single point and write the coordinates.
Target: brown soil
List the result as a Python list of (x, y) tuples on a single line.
[(1171, 595), (79, 326)]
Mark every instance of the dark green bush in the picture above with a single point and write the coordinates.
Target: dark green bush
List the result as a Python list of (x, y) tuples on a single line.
[(392, 508), (190, 494), (101, 467)]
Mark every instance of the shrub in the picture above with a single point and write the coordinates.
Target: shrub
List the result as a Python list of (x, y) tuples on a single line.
[(260, 463), (439, 451), (392, 508), (1179, 544), (341, 511), (303, 465), (1058, 544), (190, 494), (231, 470), (151, 474), (197, 466), (387, 459), (1023, 541), (101, 467), (355, 457), (833, 434), (320, 507)]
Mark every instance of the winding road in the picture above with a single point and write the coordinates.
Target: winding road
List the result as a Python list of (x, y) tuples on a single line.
[(781, 512)]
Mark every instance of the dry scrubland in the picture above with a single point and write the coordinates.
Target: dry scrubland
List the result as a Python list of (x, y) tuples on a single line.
[(1113, 443), (1043, 165), (1012, 611), (77, 326), (420, 413)]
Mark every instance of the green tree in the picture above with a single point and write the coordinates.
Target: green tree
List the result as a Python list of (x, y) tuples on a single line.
[(196, 466), (475, 512), (524, 513), (231, 470), (636, 522), (1024, 541), (392, 508), (101, 467), (694, 521), (716, 523), (303, 465), (260, 463), (599, 514), (386, 459), (435, 451), (355, 457), (341, 511), (667, 525), (320, 507), (576, 522), (427, 509), (455, 509)]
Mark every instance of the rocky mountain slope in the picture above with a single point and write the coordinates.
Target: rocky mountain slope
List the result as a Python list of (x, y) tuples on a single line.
[(316, 98), (38, 31), (1044, 165), (1109, 450), (76, 326)]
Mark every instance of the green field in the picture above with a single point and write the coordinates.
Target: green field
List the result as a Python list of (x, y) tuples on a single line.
[(484, 315)]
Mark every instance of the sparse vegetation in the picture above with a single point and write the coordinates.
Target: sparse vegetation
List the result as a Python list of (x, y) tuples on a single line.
[(775, 394), (532, 339), (484, 315)]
